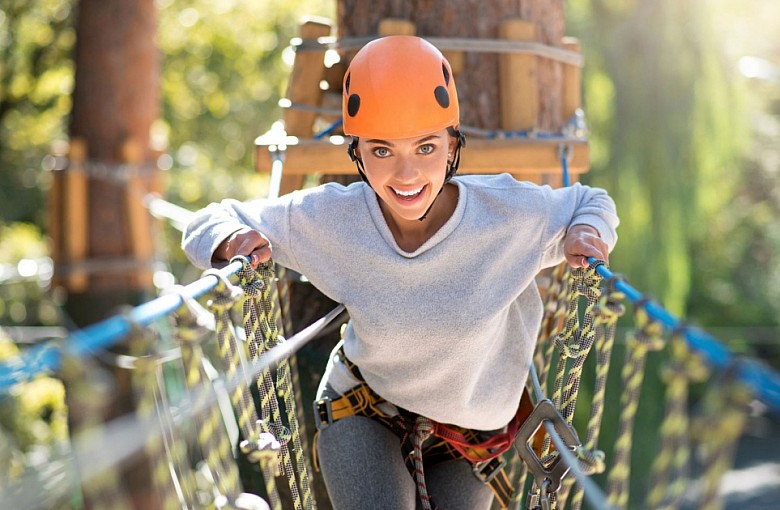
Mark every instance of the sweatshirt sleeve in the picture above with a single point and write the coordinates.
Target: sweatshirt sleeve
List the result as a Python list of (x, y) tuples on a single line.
[(213, 224), (577, 205)]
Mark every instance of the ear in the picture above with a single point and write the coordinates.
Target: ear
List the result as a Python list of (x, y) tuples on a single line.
[(453, 143)]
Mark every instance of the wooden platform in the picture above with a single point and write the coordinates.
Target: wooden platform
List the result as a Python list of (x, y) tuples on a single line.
[(517, 156), (314, 93)]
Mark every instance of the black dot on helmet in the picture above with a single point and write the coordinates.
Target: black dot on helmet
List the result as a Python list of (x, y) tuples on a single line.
[(446, 74), (346, 83), (442, 96), (353, 105)]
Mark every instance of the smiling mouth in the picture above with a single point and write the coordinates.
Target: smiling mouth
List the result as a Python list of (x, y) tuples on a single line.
[(408, 194)]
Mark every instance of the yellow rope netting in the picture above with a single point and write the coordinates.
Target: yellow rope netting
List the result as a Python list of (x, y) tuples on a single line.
[(580, 317)]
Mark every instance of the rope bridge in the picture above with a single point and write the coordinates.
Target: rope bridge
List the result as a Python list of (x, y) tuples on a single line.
[(242, 326)]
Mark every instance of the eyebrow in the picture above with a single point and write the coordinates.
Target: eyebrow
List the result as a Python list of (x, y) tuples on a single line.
[(390, 144)]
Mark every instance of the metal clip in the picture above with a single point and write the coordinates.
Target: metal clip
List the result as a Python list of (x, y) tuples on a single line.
[(323, 413), (545, 411), (486, 471)]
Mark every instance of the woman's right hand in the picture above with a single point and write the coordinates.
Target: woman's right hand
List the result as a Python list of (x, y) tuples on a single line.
[(247, 242)]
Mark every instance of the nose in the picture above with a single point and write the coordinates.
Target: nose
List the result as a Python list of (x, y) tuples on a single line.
[(405, 170)]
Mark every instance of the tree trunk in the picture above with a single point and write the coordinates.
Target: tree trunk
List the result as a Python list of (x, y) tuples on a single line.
[(478, 89), (106, 233), (115, 101)]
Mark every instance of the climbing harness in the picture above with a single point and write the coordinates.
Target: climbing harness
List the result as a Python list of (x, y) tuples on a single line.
[(453, 442)]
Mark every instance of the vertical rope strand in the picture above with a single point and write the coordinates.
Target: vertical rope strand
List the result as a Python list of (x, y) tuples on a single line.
[(607, 312), (725, 413), (284, 381), (669, 476), (211, 434), (144, 382), (647, 337), (287, 331), (260, 330), (585, 283), (226, 296)]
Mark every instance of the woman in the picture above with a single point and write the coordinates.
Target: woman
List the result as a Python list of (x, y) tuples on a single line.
[(437, 274)]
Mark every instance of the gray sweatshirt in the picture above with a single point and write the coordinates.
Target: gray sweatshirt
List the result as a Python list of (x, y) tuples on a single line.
[(447, 331)]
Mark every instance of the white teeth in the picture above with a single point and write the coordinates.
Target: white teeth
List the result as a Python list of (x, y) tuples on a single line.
[(407, 193)]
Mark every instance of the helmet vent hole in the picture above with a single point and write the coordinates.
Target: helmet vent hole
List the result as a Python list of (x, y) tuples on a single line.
[(346, 83), (446, 74), (442, 96), (353, 105)]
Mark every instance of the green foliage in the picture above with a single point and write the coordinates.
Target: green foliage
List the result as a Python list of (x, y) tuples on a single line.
[(24, 273), (670, 126), (33, 415), (36, 79), (223, 76)]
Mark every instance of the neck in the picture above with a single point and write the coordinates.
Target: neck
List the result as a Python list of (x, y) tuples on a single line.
[(411, 234)]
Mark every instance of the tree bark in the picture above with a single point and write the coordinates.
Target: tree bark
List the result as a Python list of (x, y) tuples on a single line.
[(115, 101), (478, 84)]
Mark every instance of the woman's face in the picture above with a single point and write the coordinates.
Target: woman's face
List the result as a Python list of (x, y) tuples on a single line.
[(407, 173)]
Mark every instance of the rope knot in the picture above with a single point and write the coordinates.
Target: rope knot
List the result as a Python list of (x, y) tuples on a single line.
[(649, 333), (610, 305), (225, 294), (684, 364), (264, 445), (592, 462), (569, 345)]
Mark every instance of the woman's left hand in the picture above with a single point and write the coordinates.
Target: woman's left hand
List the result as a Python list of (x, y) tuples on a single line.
[(581, 242)]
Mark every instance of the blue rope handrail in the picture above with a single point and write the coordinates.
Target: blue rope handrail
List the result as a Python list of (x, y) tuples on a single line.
[(762, 380), (47, 357)]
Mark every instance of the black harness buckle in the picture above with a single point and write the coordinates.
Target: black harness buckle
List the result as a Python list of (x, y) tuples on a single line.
[(486, 471), (323, 413)]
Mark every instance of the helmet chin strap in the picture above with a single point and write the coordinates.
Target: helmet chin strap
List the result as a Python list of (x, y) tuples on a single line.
[(452, 167)]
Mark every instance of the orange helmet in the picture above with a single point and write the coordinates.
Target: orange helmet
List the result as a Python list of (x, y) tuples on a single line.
[(399, 86)]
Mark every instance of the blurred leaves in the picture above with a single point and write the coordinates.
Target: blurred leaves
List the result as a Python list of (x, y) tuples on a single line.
[(36, 78)]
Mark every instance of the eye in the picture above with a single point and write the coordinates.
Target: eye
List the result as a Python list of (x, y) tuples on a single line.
[(380, 152), (427, 148)]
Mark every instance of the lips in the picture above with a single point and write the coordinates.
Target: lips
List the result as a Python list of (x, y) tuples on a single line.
[(407, 195)]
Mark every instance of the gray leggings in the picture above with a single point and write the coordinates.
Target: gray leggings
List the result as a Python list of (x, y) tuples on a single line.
[(363, 468)]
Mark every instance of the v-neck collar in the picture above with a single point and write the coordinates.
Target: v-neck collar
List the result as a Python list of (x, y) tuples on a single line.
[(372, 201)]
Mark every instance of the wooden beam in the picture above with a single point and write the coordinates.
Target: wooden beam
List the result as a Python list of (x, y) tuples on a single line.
[(304, 88), (138, 218), (526, 158), (76, 215), (572, 81), (518, 85)]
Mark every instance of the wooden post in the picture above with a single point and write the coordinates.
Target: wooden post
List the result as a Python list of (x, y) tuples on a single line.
[(572, 80), (304, 88), (55, 227), (396, 26), (138, 219), (518, 86), (76, 216)]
